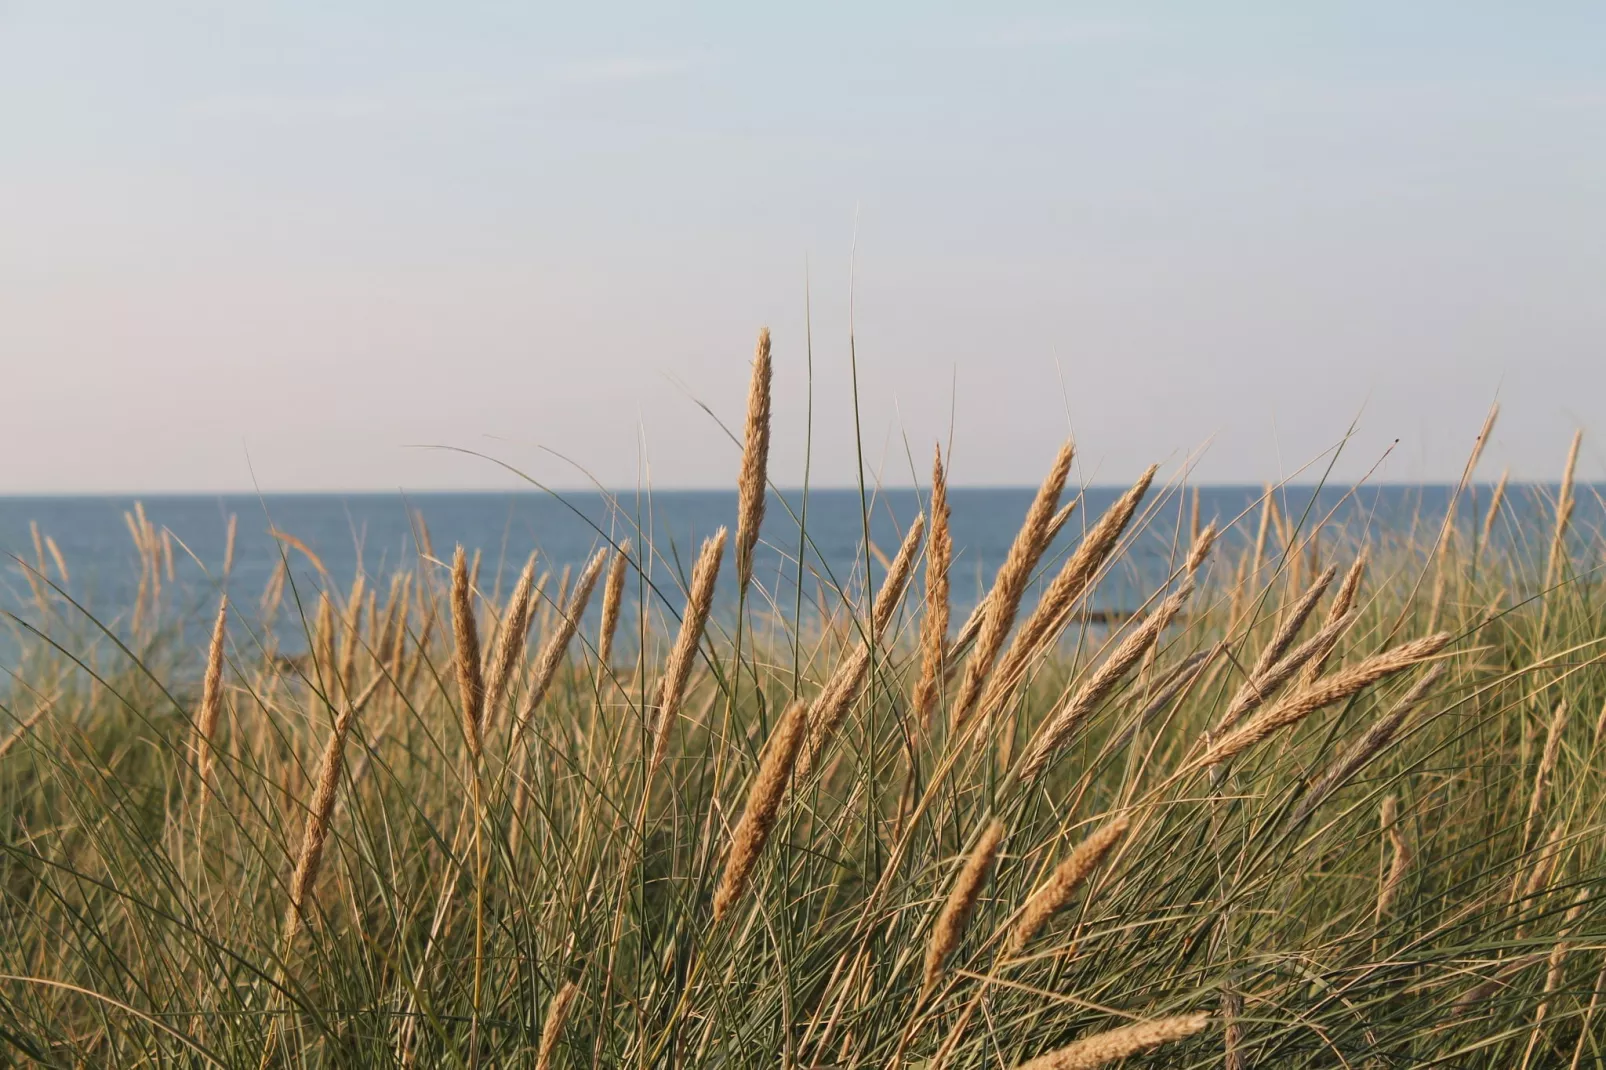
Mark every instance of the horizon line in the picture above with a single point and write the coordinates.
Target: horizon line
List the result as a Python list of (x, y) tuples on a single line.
[(812, 489)]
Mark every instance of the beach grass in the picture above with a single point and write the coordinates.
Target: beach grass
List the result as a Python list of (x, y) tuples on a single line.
[(1326, 798)]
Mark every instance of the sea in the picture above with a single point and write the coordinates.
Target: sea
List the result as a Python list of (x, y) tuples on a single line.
[(326, 539)]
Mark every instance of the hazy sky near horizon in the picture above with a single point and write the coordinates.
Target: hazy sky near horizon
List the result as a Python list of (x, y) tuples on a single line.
[(289, 244)]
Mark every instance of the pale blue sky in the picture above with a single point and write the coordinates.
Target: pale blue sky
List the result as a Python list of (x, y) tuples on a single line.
[(297, 238)]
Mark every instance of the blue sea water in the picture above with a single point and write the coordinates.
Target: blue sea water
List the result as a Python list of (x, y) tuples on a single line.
[(377, 533)]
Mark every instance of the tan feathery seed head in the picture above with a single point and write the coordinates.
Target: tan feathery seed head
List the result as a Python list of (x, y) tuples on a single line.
[(351, 639), (1067, 877), (228, 546), (211, 696), (470, 684), (1329, 689), (1343, 602), (1003, 600), (677, 669), (310, 858), (890, 596), (1495, 499), (1203, 543), (755, 461), (557, 644), (1400, 861), (612, 598), (510, 641), (831, 705), (557, 1013), (1547, 765), (934, 624), (1074, 577), (1255, 691), (1061, 518), (323, 646), (1061, 725), (1289, 629), (1104, 1048), (763, 804), (1382, 732), (961, 903)]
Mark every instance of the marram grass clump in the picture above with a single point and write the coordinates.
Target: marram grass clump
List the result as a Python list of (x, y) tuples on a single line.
[(1274, 818)]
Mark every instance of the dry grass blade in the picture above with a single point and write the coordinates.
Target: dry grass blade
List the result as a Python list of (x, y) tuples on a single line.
[(1062, 884), (755, 460), (677, 668), (1329, 689), (1003, 600), (960, 904), (1061, 725), (763, 805), (1104, 1048)]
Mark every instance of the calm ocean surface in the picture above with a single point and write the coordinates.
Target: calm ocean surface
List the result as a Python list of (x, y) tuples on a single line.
[(376, 532)]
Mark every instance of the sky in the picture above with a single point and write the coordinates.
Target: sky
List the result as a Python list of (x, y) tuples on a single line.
[(346, 246)]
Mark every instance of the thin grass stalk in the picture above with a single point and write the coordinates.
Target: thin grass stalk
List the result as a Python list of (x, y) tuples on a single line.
[(471, 688)]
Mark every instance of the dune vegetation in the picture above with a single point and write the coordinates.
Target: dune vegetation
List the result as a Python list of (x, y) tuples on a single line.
[(1322, 800)]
